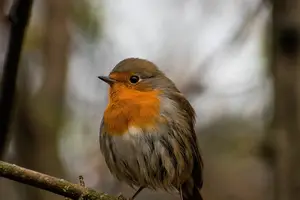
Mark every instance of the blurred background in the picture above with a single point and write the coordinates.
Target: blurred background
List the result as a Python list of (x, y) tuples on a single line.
[(217, 52)]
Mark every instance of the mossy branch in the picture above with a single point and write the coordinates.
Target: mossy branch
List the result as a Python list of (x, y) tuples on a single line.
[(51, 184)]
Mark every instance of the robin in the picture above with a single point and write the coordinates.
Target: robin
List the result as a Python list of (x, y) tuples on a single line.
[(147, 134)]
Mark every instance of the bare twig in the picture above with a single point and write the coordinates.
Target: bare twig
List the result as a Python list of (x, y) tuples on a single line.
[(49, 183), (19, 16), (81, 181)]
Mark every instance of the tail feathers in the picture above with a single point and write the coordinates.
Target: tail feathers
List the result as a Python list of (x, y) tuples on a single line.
[(190, 194)]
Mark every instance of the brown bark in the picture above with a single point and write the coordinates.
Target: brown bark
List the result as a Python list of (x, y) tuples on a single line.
[(51, 184)]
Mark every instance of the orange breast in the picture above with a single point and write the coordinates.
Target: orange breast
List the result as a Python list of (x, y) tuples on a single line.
[(129, 107)]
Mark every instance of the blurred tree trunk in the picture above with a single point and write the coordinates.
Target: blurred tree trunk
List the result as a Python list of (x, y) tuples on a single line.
[(41, 116), (2, 14), (6, 187), (3, 32), (286, 72)]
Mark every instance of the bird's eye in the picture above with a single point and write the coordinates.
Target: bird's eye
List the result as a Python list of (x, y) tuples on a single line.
[(134, 79)]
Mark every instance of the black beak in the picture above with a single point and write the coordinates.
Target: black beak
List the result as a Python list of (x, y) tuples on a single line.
[(107, 80)]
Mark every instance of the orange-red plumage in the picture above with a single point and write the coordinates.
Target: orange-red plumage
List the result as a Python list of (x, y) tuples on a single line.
[(147, 133), (129, 107)]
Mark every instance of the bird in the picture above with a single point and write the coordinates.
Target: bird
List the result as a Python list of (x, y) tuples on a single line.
[(147, 133)]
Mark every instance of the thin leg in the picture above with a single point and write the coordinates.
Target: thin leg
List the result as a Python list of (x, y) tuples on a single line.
[(137, 192)]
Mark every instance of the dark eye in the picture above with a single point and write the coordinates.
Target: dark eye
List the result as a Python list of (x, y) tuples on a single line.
[(134, 79)]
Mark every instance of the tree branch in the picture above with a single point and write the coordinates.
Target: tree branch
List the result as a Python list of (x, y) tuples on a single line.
[(19, 17), (51, 184)]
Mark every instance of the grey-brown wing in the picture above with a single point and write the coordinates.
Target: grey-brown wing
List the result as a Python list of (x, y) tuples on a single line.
[(102, 135), (190, 115)]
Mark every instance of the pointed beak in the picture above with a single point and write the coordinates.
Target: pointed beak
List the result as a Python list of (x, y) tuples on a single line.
[(107, 80)]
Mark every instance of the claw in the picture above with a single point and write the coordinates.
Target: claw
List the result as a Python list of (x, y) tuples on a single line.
[(121, 197)]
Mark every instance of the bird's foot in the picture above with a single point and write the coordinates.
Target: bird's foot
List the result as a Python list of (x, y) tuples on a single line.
[(121, 197)]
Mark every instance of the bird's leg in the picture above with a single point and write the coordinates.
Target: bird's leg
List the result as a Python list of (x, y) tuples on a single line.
[(137, 192)]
